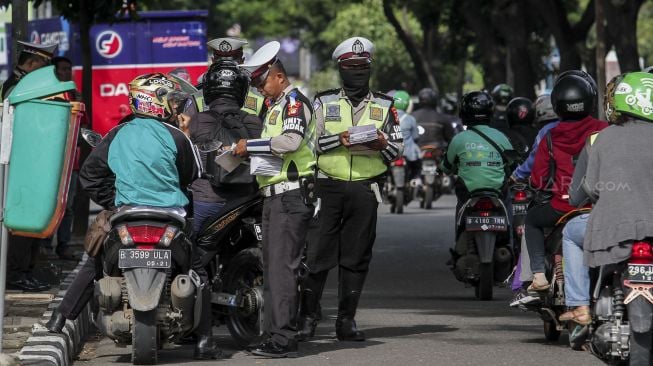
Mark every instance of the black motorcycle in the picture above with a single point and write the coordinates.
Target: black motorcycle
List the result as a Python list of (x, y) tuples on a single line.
[(622, 310), (483, 253), (230, 247)]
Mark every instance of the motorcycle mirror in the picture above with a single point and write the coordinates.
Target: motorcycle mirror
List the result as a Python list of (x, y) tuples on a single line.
[(420, 130), (207, 147), (91, 137)]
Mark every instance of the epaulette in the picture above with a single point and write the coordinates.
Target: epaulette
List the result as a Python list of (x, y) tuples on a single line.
[(382, 96), (327, 92)]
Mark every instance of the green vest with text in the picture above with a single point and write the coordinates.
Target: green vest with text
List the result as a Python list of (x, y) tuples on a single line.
[(303, 159), (339, 163)]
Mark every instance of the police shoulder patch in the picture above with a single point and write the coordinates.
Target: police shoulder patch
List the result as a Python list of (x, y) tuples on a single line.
[(293, 108), (250, 102)]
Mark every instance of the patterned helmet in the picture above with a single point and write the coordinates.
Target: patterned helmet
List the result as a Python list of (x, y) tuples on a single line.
[(502, 94), (608, 99), (155, 96), (632, 96), (544, 109), (402, 100)]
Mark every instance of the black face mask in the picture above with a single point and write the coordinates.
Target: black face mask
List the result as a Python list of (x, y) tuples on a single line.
[(355, 83)]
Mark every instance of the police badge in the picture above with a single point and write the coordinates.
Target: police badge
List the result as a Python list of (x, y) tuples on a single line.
[(332, 112), (273, 118), (224, 46), (250, 103), (376, 113), (358, 47)]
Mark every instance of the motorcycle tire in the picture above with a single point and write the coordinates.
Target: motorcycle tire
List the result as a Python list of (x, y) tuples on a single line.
[(428, 198), (485, 281), (551, 333), (244, 272), (145, 336), (399, 202), (640, 348)]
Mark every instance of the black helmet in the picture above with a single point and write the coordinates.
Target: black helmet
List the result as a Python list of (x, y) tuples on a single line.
[(582, 74), (573, 97), (427, 97), (476, 108), (225, 78), (502, 94), (520, 111)]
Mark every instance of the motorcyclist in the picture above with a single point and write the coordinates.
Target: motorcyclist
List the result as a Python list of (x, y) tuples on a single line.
[(409, 132), (573, 99), (472, 157), (225, 90), (520, 113), (438, 126), (146, 161), (501, 95)]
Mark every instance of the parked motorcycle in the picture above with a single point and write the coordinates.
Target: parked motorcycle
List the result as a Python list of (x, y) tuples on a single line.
[(482, 255), (622, 310)]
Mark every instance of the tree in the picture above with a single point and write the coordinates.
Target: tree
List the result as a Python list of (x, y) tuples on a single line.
[(621, 16)]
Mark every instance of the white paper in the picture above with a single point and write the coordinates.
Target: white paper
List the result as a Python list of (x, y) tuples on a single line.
[(228, 161), (362, 134), (265, 165)]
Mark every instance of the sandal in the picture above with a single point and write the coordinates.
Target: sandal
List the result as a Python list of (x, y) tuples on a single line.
[(578, 316)]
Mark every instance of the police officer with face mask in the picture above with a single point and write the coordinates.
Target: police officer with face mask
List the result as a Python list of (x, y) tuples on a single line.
[(348, 184)]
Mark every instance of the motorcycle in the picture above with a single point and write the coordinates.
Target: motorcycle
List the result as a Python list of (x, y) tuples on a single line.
[(483, 254), (622, 309), (230, 248), (521, 196), (396, 190), (552, 303), (432, 187)]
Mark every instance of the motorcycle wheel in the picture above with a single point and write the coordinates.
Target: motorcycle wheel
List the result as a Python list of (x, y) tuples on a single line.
[(428, 198), (551, 333), (244, 273), (640, 348), (485, 282), (399, 201), (145, 335)]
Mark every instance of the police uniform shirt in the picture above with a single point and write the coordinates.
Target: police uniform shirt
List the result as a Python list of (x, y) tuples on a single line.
[(391, 128)]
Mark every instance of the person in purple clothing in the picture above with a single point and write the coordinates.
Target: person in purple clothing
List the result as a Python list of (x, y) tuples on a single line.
[(546, 119)]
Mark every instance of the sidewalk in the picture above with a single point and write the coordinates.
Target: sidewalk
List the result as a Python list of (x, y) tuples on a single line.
[(22, 310)]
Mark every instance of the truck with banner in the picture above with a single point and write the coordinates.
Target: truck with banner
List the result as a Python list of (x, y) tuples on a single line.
[(157, 41)]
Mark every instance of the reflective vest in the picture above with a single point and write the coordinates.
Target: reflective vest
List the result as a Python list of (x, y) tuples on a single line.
[(339, 163), (253, 103), (303, 159)]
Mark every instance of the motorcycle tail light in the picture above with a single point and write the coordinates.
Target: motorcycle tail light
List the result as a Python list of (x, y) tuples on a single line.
[(146, 234), (520, 196), (428, 155), (484, 205), (641, 253), (399, 162), (168, 235)]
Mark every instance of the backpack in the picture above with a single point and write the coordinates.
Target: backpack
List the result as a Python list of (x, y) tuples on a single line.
[(229, 129)]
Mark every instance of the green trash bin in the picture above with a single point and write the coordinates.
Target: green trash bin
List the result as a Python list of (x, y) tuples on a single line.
[(44, 136)]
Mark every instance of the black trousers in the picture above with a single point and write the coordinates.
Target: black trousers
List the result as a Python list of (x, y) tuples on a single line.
[(81, 289), (285, 225), (346, 227), (22, 255), (539, 218)]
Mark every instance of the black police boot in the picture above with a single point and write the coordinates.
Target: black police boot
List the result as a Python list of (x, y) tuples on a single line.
[(206, 348), (349, 292), (272, 349), (56, 323), (312, 288)]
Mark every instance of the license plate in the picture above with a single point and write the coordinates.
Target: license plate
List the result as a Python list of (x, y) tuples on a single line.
[(493, 223), (640, 273), (519, 208), (429, 169), (144, 258)]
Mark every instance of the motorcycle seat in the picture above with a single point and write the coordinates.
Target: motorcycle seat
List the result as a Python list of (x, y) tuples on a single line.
[(133, 213), (485, 193)]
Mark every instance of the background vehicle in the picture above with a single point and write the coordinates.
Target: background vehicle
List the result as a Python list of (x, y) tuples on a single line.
[(432, 182)]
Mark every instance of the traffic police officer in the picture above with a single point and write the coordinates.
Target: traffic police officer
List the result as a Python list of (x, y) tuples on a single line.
[(287, 140), (23, 252), (33, 56), (229, 47), (348, 186)]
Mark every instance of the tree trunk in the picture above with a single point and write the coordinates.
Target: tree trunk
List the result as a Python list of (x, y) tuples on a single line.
[(622, 23), (421, 64), (600, 53), (18, 28), (85, 22)]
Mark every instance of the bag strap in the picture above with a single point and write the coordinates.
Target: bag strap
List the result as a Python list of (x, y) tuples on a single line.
[(552, 163), (506, 162)]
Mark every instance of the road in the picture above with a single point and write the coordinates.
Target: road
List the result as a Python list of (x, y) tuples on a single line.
[(413, 311)]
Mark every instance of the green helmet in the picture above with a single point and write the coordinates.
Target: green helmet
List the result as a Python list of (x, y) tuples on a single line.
[(402, 99), (632, 96)]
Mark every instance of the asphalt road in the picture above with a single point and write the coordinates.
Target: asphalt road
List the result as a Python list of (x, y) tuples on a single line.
[(413, 310)]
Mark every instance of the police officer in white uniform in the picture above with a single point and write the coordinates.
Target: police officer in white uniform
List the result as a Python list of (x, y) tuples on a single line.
[(349, 184), (287, 140)]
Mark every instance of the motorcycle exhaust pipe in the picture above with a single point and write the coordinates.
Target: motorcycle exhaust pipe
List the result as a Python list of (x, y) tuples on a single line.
[(182, 294)]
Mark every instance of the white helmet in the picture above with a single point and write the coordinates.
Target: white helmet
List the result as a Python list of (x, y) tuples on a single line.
[(544, 109)]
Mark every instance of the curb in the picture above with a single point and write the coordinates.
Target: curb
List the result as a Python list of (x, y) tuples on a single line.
[(45, 348)]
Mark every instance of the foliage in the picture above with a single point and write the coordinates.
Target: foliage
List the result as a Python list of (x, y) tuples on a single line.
[(645, 33)]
